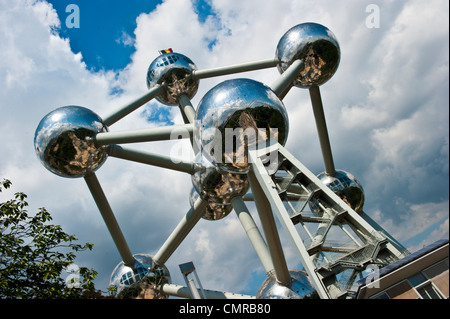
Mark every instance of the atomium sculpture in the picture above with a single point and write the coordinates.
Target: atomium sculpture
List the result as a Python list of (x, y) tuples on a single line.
[(323, 215)]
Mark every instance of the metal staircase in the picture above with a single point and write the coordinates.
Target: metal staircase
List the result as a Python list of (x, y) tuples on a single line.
[(334, 243)]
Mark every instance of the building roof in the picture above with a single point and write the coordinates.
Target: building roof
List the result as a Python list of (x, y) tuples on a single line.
[(405, 261)]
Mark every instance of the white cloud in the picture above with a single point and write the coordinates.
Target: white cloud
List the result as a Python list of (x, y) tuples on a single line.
[(386, 107), (420, 218), (125, 39)]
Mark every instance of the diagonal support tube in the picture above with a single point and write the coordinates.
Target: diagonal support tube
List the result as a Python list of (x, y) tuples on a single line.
[(319, 115), (253, 234), (188, 113), (184, 292), (109, 219), (180, 232), (270, 231), (150, 159), (236, 68), (284, 83), (186, 108), (145, 135), (130, 107)]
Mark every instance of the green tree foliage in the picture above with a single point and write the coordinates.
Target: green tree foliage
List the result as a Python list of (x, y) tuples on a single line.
[(31, 261)]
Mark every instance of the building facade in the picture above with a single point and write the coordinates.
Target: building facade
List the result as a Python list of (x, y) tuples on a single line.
[(421, 275)]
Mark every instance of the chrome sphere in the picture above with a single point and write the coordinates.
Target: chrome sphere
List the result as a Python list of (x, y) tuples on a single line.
[(237, 114), (300, 288), (174, 70), (317, 46), (212, 211), (64, 141), (145, 275), (217, 186), (346, 186)]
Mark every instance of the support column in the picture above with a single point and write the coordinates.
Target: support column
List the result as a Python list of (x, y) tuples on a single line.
[(181, 231), (150, 159), (253, 234), (144, 135), (186, 108), (236, 68), (284, 83), (110, 219), (322, 131), (130, 107), (270, 231)]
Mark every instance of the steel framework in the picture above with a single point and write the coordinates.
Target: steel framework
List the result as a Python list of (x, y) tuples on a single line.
[(335, 244)]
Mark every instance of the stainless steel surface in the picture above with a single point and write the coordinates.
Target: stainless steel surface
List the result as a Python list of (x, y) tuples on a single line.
[(346, 186), (299, 288), (143, 274), (211, 211), (231, 121), (245, 108), (64, 141), (317, 46), (214, 185), (173, 71), (286, 80)]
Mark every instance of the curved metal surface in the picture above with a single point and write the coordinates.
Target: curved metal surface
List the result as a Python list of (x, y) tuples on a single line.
[(237, 114), (346, 186), (300, 288), (64, 141), (173, 71), (143, 274), (317, 46)]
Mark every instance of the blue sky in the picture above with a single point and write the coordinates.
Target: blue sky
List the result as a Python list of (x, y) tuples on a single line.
[(387, 112), (105, 36), (106, 33)]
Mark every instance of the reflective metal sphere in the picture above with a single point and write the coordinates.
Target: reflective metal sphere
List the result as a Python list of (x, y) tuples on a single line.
[(346, 186), (174, 70), (212, 211), (317, 46), (145, 275), (300, 288), (64, 141), (217, 186), (237, 114)]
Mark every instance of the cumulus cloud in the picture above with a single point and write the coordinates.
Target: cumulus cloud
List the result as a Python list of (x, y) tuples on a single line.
[(386, 109), (125, 39)]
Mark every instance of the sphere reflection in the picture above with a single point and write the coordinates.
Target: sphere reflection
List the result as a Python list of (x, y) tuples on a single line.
[(212, 211), (346, 186), (237, 114), (64, 141), (300, 288), (317, 46), (174, 70), (217, 186), (129, 282)]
